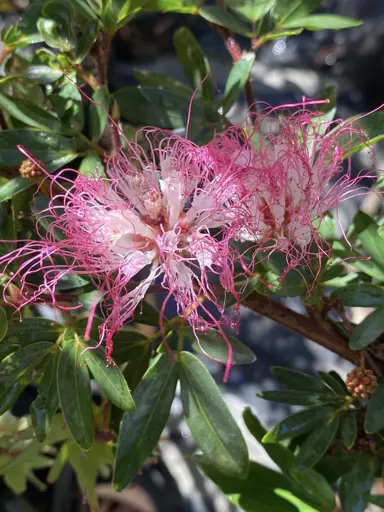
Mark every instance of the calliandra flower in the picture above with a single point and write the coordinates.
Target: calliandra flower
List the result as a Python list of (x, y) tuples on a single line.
[(294, 170), (161, 213)]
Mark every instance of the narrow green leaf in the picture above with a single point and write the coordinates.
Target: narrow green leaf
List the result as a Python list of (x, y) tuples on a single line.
[(374, 418), (29, 113), (322, 22), (110, 379), (361, 295), (45, 406), (251, 9), (219, 16), (212, 343), (311, 483), (98, 113), (300, 397), (294, 379), (140, 430), (366, 230), (58, 465), (212, 426), (163, 81), (75, 394), (348, 429), (194, 62), (356, 485), (318, 442), (368, 330), (3, 323), (298, 423), (237, 79), (334, 382)]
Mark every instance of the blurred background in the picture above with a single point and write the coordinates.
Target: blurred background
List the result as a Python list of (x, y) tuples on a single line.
[(285, 70)]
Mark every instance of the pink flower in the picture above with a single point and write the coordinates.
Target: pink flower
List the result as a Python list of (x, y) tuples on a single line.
[(292, 175), (161, 213)]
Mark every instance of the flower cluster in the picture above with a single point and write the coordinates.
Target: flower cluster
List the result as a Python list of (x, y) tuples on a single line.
[(168, 214)]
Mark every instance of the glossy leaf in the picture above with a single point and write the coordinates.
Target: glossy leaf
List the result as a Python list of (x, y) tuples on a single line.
[(237, 79), (218, 16), (298, 423), (29, 114), (361, 295), (322, 22), (211, 424), (194, 62), (110, 378), (251, 9), (3, 323), (98, 113), (311, 484), (355, 486), (368, 330), (92, 166), (293, 9), (334, 382), (45, 405), (212, 343), (49, 148), (318, 442), (50, 32), (153, 106), (140, 430), (75, 394), (348, 429), (294, 379), (32, 329), (43, 74), (374, 418), (300, 397), (163, 81), (366, 230)]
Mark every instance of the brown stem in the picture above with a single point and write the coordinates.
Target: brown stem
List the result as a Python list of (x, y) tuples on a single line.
[(88, 78), (4, 54), (321, 332), (235, 52)]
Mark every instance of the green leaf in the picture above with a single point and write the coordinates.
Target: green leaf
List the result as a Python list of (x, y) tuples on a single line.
[(322, 22), (92, 166), (163, 81), (75, 394), (369, 267), (48, 147), (237, 79), (98, 114), (366, 230), (137, 364), (355, 486), (140, 430), (334, 382), (311, 484), (300, 397), (258, 491), (348, 429), (9, 395), (45, 406), (110, 379), (374, 418), (251, 9), (294, 379), (377, 499), (43, 74), (29, 113), (212, 343), (86, 41), (368, 330), (58, 465), (3, 323), (194, 62), (219, 16), (211, 424), (317, 443), (298, 423), (292, 9), (147, 314), (50, 32), (361, 295), (33, 329), (152, 106)]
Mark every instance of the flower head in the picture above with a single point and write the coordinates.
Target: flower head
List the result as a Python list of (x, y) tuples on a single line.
[(163, 212)]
